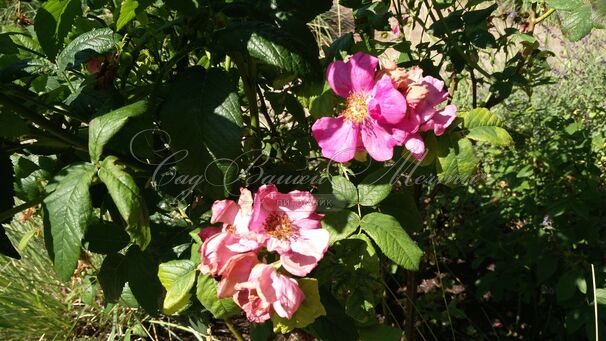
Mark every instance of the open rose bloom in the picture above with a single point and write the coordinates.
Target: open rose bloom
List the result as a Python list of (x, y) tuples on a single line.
[(382, 110), (284, 223)]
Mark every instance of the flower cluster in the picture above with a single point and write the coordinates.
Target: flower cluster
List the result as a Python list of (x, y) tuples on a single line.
[(284, 223), (382, 110)]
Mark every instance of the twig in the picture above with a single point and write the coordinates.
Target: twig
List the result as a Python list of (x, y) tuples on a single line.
[(595, 302), (233, 330)]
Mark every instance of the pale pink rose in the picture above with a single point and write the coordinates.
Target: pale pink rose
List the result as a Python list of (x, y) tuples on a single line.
[(373, 108), (236, 271), (291, 228), (235, 236), (395, 27)]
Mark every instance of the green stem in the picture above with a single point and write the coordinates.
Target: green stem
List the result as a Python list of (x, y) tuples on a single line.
[(544, 16), (234, 331)]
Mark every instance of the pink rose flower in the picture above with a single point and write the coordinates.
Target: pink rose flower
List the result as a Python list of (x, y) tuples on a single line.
[(423, 94), (267, 289), (372, 110), (290, 227), (234, 238)]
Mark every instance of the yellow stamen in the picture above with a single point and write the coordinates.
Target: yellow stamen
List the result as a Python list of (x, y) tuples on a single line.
[(356, 108), (279, 226)]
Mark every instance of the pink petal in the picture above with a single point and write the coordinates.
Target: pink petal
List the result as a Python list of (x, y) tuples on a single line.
[(415, 144), (298, 264), (387, 104), (260, 212), (377, 141), (441, 120), (307, 223), (362, 71), (337, 137), (337, 75), (243, 243), (208, 232), (214, 254), (224, 211), (289, 296), (312, 243), (237, 270), (257, 310), (296, 204)]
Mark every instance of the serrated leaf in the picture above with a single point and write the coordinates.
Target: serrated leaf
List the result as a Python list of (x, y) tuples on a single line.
[(310, 309), (344, 190), (143, 279), (202, 116), (206, 292), (479, 117), (340, 224), (112, 276), (375, 187), (53, 21), (457, 162), (493, 135), (177, 277), (575, 17), (70, 209), (86, 46), (392, 240), (268, 45), (128, 199), (103, 128), (25, 68)]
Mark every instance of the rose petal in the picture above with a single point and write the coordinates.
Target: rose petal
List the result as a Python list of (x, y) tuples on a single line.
[(377, 141), (337, 137)]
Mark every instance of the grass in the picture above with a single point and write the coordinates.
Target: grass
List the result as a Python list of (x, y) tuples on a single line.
[(32, 299)]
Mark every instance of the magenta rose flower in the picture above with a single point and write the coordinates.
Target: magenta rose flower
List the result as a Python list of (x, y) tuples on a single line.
[(373, 109)]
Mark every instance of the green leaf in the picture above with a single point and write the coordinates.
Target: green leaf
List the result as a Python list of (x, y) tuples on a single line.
[(112, 276), (575, 17), (493, 135), (566, 286), (485, 126), (275, 49), (129, 10), (600, 296), (202, 116), (340, 224), (53, 21), (11, 125), (457, 162), (403, 207), (86, 46), (480, 117), (105, 238), (70, 210), (344, 190), (143, 279), (206, 292), (177, 277), (128, 200), (392, 240), (103, 128), (375, 187), (310, 309), (25, 68)]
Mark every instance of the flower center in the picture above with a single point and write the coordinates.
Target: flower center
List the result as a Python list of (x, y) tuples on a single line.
[(356, 108), (279, 226), (230, 228)]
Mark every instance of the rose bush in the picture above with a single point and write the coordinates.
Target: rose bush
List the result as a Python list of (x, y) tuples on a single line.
[(131, 125)]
